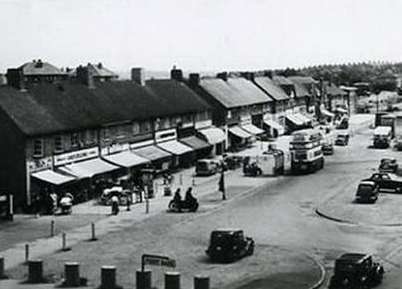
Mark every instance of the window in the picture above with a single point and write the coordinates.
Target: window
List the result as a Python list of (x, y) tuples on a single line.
[(106, 133), (38, 148), (229, 114), (91, 136), (145, 127), (74, 140), (136, 128), (58, 144), (165, 123)]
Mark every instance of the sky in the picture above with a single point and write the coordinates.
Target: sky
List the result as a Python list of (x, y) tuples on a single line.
[(199, 35)]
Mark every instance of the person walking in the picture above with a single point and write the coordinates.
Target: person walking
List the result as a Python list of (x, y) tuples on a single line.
[(221, 184), (115, 205)]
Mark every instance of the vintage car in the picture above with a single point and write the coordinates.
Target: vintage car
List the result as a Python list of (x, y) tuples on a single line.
[(328, 149), (387, 182), (342, 138), (228, 245), (388, 165), (355, 270), (367, 192), (123, 195), (207, 167)]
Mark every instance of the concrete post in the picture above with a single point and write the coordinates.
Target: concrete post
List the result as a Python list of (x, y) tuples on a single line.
[(72, 274), (2, 275), (201, 282), (144, 279), (93, 234), (172, 280), (35, 271), (108, 277)]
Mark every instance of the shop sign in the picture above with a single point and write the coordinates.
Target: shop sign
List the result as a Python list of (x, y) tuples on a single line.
[(203, 124), (39, 164), (115, 148), (165, 135), (80, 155), (141, 144)]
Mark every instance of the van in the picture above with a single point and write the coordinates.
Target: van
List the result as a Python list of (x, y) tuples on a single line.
[(206, 167), (342, 138), (382, 136)]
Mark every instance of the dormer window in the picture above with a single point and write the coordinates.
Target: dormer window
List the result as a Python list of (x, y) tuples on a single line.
[(58, 144)]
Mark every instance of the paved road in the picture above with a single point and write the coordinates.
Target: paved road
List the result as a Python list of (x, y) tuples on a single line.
[(280, 216)]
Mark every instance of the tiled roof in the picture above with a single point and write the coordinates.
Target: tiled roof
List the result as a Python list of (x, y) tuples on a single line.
[(40, 68), (281, 80), (98, 70), (301, 90), (271, 88), (50, 108), (234, 92), (332, 89), (176, 96)]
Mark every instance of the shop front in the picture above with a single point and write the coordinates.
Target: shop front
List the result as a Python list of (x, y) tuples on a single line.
[(215, 137), (273, 128), (239, 138), (201, 148), (161, 160), (183, 155)]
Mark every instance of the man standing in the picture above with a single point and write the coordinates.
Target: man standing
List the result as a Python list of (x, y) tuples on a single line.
[(221, 185)]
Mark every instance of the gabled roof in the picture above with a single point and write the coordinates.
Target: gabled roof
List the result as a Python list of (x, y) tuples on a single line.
[(234, 92), (40, 68), (281, 80), (273, 90), (50, 108), (301, 90), (98, 70), (177, 96)]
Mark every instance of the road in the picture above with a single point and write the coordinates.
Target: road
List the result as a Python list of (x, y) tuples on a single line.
[(280, 216)]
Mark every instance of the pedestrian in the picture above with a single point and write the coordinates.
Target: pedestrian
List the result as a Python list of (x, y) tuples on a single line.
[(221, 185), (115, 205)]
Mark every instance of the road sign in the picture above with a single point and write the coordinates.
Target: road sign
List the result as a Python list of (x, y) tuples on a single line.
[(156, 260)]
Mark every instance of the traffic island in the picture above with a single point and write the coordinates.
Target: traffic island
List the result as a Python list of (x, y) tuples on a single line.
[(343, 208)]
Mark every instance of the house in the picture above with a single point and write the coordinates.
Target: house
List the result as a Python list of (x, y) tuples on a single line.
[(238, 107), (77, 135), (34, 72), (98, 72)]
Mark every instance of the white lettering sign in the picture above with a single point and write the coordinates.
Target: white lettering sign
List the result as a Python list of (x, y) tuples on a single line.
[(165, 135), (141, 144), (75, 156), (39, 164)]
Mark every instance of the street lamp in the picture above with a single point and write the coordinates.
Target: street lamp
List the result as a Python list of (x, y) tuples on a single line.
[(147, 176)]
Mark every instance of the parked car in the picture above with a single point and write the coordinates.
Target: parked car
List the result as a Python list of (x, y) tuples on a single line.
[(388, 165), (228, 245), (355, 270), (123, 195), (387, 182), (207, 167), (367, 192), (328, 149), (342, 138)]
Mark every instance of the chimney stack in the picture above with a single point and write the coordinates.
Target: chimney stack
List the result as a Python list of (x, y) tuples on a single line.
[(15, 78), (223, 76), (194, 79), (176, 74), (85, 75), (138, 75)]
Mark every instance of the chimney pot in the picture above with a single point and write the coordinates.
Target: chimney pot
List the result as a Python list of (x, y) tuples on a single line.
[(194, 79), (176, 74), (222, 75)]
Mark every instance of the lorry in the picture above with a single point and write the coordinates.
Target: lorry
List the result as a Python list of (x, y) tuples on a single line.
[(382, 137), (270, 162), (306, 151)]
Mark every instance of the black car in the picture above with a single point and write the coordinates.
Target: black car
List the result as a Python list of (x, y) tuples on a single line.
[(387, 182), (388, 165), (228, 245), (367, 192), (355, 270)]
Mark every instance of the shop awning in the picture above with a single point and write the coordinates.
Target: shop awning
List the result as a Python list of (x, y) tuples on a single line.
[(89, 168), (252, 129), (213, 135), (237, 131), (326, 112), (175, 147), (126, 159), (52, 177), (152, 153), (273, 124), (295, 120), (195, 142), (303, 118)]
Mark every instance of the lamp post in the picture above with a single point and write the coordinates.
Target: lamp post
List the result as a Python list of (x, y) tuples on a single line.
[(222, 184), (147, 181)]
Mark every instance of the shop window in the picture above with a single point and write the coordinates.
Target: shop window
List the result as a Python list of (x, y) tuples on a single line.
[(91, 137), (74, 140), (165, 123), (58, 144), (145, 127), (38, 148), (136, 128)]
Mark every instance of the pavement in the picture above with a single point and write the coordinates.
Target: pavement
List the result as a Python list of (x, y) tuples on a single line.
[(108, 226)]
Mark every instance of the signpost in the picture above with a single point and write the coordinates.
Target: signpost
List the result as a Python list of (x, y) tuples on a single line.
[(156, 260)]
